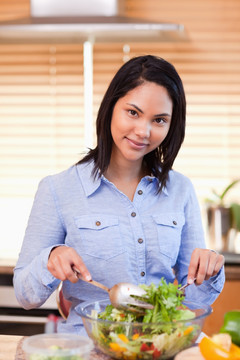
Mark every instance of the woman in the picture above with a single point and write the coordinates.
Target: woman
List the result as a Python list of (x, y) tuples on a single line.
[(121, 213)]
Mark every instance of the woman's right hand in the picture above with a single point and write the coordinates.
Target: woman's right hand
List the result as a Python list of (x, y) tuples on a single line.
[(60, 263)]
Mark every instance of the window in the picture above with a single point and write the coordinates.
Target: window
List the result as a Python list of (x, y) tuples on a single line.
[(41, 125)]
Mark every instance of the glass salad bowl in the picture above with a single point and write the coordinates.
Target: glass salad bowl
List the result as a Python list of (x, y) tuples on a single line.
[(141, 340)]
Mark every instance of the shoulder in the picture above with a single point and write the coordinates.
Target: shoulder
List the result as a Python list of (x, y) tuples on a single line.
[(62, 176), (177, 177), (62, 180), (181, 190), (70, 180), (177, 182)]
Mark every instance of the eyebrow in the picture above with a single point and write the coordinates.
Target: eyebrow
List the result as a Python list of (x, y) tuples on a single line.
[(141, 111)]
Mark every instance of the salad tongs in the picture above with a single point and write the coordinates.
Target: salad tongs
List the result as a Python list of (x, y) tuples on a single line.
[(182, 288), (122, 295)]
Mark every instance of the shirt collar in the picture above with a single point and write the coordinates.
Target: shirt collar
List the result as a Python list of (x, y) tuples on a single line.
[(91, 184), (153, 179)]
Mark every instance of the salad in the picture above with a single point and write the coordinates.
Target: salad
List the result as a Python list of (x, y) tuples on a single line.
[(55, 349), (158, 333)]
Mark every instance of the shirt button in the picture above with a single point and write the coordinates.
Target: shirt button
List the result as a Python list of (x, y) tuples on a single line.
[(98, 223), (140, 192), (174, 222), (133, 214), (140, 241), (142, 273)]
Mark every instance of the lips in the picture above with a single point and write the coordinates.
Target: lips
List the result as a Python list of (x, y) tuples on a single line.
[(136, 144)]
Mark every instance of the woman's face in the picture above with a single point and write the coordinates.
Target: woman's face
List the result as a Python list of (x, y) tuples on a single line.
[(140, 122)]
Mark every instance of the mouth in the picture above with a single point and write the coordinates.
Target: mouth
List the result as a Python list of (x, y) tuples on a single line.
[(137, 144)]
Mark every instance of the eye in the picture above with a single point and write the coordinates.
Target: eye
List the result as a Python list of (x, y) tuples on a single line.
[(160, 120), (133, 112)]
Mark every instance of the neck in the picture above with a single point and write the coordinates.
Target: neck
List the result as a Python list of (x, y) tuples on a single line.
[(124, 172)]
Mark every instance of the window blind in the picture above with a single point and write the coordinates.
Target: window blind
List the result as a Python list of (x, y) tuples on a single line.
[(41, 111)]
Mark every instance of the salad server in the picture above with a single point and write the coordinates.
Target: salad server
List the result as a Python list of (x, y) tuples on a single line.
[(182, 288), (121, 295)]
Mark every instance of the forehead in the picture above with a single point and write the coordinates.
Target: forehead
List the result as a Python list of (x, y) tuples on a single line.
[(148, 93)]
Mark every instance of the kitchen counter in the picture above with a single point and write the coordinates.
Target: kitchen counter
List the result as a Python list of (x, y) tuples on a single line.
[(10, 349), (7, 266), (8, 346)]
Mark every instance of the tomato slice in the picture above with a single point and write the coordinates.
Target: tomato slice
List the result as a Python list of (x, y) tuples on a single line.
[(144, 347), (156, 353), (212, 351)]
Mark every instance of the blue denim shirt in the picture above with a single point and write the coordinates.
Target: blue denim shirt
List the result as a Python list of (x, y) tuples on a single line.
[(136, 241)]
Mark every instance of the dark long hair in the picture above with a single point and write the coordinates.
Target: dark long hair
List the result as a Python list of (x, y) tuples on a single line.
[(132, 74)]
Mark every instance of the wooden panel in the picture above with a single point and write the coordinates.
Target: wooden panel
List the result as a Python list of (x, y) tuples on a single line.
[(228, 300), (13, 9)]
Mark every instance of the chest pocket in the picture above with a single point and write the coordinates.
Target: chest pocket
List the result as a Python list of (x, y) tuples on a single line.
[(100, 235), (169, 229)]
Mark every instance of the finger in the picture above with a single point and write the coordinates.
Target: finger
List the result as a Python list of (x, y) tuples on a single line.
[(78, 263), (212, 261), (59, 263), (216, 261), (68, 271), (193, 267), (55, 269), (82, 270), (219, 264), (66, 265), (207, 264), (199, 265)]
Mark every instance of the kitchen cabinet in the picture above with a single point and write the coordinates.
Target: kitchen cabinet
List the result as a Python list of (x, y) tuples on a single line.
[(229, 299), (13, 318)]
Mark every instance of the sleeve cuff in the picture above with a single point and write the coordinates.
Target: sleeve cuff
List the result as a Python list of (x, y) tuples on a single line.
[(215, 283)]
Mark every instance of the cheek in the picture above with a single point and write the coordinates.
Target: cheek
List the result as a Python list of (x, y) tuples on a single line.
[(158, 137), (114, 129), (116, 132), (119, 126)]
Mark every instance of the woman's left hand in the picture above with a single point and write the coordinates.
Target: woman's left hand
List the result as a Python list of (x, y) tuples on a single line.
[(204, 264)]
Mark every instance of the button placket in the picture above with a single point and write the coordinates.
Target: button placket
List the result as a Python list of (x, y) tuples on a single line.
[(140, 249), (136, 226)]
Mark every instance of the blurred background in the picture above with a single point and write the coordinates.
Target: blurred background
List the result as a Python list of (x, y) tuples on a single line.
[(53, 77)]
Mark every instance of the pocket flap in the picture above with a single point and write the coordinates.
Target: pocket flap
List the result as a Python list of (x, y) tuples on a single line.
[(169, 219), (97, 222)]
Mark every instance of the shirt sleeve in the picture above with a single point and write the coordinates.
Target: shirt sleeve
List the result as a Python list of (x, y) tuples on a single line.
[(193, 237), (33, 283), (209, 290)]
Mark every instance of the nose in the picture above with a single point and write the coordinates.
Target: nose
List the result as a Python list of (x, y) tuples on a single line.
[(143, 129)]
